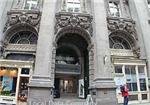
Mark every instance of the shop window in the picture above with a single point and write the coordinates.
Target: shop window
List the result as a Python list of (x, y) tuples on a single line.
[(23, 89), (114, 9), (30, 4), (8, 81), (73, 6), (142, 78), (24, 37), (117, 42), (131, 78), (133, 97), (118, 69), (144, 96)]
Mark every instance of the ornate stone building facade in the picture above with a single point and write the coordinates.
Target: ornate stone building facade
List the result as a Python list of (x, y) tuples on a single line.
[(66, 49)]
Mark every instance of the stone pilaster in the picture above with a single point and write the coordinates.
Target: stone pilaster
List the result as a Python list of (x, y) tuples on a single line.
[(41, 84), (103, 80), (5, 5)]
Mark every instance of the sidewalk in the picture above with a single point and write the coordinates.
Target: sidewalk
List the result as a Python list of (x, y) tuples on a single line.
[(140, 104)]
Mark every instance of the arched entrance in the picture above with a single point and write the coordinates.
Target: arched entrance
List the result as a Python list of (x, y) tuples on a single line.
[(71, 67)]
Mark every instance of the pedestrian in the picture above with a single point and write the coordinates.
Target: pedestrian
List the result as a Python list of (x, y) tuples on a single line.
[(125, 94)]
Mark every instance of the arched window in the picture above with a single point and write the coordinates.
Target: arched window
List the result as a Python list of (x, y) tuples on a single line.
[(117, 42), (24, 37)]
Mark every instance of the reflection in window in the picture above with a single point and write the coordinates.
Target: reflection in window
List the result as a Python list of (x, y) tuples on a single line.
[(114, 9), (131, 78), (8, 81), (73, 6), (24, 37), (30, 4), (117, 42), (142, 78)]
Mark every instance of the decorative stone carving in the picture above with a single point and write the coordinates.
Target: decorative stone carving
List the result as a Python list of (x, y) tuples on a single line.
[(83, 21), (31, 18), (126, 25)]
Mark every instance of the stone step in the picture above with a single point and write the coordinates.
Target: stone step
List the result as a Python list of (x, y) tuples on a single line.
[(70, 102)]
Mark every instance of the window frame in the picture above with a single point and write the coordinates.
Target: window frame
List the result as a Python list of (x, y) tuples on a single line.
[(35, 2)]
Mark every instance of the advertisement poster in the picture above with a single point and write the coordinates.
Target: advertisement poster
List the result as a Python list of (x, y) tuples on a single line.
[(7, 83), (81, 88)]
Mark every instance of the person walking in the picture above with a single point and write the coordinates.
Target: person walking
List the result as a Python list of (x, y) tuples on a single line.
[(125, 94)]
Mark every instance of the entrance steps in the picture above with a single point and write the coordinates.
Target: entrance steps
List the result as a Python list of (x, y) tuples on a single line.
[(70, 102)]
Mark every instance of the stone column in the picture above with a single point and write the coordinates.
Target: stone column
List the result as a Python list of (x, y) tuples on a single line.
[(140, 13), (5, 5), (41, 84), (103, 80)]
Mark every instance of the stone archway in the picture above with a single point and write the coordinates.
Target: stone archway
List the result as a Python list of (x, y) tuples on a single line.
[(67, 32)]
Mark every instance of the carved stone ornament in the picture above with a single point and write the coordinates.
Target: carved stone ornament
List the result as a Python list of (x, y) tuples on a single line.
[(126, 25), (83, 21), (23, 17)]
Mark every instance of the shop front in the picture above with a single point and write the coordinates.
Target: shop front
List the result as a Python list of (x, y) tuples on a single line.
[(14, 78), (134, 74)]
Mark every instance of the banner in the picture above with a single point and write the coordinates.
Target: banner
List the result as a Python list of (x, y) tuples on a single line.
[(81, 88)]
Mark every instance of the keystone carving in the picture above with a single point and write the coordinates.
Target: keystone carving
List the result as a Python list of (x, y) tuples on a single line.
[(23, 17), (74, 20)]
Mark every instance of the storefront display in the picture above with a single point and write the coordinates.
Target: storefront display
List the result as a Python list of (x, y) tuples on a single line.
[(135, 76), (8, 81), (14, 79)]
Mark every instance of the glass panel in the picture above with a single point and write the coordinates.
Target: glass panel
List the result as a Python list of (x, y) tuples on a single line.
[(118, 69), (142, 78), (133, 97), (30, 4), (142, 84), (23, 89), (25, 71), (114, 9), (73, 6), (144, 96), (8, 81), (131, 78)]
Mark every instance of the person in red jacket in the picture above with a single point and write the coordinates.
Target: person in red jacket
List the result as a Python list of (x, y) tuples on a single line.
[(125, 94)]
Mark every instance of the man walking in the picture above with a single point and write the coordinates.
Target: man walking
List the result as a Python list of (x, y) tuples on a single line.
[(125, 94)]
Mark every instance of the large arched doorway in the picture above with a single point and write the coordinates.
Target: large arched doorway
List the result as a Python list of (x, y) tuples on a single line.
[(71, 67)]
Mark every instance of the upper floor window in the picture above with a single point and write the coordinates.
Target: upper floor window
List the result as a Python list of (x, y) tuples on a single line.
[(117, 42), (114, 9), (71, 6), (30, 4), (24, 37)]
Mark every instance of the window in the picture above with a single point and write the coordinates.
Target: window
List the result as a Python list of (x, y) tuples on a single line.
[(24, 37), (135, 76), (117, 42), (131, 78), (30, 4), (142, 78), (114, 9), (73, 6), (8, 81)]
